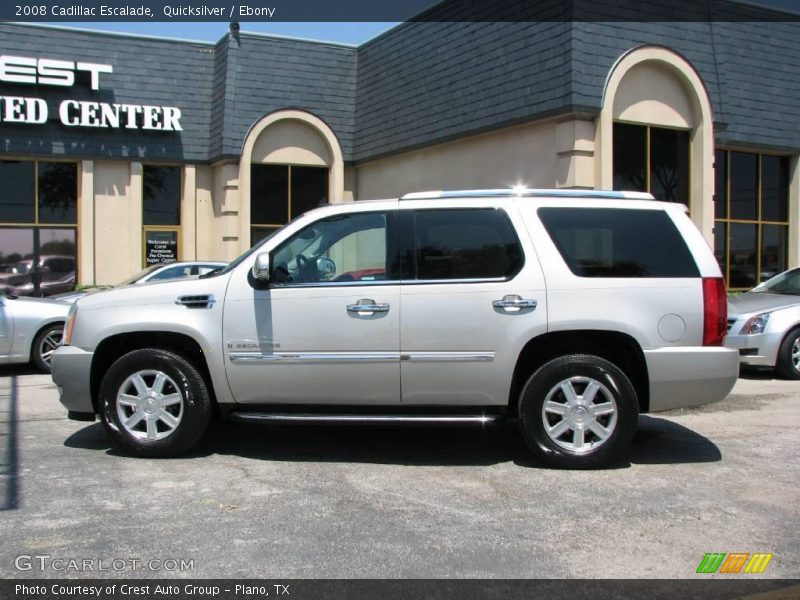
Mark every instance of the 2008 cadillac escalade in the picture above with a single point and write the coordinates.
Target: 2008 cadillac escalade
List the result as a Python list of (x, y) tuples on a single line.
[(570, 311)]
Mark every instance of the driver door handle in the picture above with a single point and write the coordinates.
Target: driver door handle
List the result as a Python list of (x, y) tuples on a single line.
[(366, 307), (514, 303)]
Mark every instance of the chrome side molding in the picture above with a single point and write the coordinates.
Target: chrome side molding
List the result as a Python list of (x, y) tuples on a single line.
[(447, 356), (313, 357), (362, 357)]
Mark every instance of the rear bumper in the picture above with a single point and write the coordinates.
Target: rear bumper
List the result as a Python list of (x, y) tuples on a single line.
[(690, 376), (71, 369)]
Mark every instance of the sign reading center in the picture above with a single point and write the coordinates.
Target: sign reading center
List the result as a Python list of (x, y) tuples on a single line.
[(75, 113)]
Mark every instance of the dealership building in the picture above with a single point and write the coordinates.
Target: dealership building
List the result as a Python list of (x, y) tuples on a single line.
[(120, 150)]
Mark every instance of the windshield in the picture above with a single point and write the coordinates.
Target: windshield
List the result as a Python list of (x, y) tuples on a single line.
[(235, 263), (140, 274), (787, 283)]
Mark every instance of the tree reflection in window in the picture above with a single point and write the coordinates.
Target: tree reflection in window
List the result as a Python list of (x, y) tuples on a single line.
[(58, 192)]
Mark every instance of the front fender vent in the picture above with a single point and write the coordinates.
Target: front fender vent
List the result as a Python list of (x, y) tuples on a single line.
[(199, 301)]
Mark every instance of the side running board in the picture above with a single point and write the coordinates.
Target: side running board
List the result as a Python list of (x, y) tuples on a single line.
[(388, 419)]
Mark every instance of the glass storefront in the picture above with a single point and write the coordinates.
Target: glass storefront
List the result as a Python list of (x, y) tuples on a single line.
[(161, 214), (38, 227), (652, 159), (279, 193), (751, 208)]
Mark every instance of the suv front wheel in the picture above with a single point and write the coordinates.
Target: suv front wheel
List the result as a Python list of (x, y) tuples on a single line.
[(578, 412), (154, 403)]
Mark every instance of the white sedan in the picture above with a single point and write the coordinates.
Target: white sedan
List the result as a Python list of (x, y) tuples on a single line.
[(159, 272), (30, 329)]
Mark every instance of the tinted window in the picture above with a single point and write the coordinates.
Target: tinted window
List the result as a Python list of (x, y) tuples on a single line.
[(630, 157), (269, 194), (744, 185), (59, 265), (465, 244), (743, 255), (58, 192), (774, 188), (669, 165), (610, 242), (721, 184), (774, 249), (162, 195), (18, 188), (309, 189)]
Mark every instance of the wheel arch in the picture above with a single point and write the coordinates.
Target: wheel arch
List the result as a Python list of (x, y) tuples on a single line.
[(791, 331), (110, 349), (619, 348), (42, 326)]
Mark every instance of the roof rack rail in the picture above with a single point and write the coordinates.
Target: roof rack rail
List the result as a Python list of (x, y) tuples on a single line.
[(525, 192)]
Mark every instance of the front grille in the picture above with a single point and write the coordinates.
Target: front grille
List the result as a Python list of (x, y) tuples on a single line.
[(730, 323)]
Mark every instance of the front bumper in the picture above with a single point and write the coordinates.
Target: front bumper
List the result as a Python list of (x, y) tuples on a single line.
[(757, 350), (71, 369), (681, 377)]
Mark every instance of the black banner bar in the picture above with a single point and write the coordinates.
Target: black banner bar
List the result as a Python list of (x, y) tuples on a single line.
[(415, 589), (399, 10)]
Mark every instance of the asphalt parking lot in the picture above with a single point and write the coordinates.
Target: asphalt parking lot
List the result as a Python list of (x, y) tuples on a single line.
[(347, 502)]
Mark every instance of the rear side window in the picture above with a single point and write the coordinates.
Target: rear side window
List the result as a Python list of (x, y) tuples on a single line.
[(618, 242), (469, 243)]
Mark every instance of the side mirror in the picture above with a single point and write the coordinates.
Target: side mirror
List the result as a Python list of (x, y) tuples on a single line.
[(325, 267), (260, 269)]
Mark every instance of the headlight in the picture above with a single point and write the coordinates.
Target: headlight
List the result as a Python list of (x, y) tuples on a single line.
[(70, 326), (756, 324)]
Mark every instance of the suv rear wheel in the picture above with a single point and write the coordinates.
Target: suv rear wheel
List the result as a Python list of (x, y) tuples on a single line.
[(154, 403), (578, 412)]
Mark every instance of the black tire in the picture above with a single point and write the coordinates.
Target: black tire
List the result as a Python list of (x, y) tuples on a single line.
[(615, 389), (43, 344), (193, 415), (785, 365)]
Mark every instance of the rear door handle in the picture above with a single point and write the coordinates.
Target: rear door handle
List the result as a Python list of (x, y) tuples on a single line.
[(366, 307), (514, 303)]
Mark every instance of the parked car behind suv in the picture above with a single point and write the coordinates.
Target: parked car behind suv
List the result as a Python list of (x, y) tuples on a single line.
[(764, 324), (158, 272), (56, 274), (571, 311)]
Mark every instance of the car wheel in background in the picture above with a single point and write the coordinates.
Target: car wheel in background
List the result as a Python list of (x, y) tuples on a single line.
[(788, 364), (154, 403), (578, 412), (47, 340)]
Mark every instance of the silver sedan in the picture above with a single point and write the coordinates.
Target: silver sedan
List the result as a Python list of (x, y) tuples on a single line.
[(30, 329), (764, 324)]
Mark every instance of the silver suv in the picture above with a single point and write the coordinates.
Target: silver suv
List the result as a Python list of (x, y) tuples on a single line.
[(570, 311)]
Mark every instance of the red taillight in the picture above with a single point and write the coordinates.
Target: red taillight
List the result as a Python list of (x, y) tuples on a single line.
[(715, 311)]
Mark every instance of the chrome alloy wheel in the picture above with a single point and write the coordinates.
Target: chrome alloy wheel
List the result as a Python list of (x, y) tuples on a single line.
[(796, 353), (579, 414), (149, 405), (48, 343)]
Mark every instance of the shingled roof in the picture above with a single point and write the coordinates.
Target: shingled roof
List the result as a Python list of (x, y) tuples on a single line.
[(421, 83)]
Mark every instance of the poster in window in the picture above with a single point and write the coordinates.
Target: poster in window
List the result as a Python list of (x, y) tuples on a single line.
[(161, 247)]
